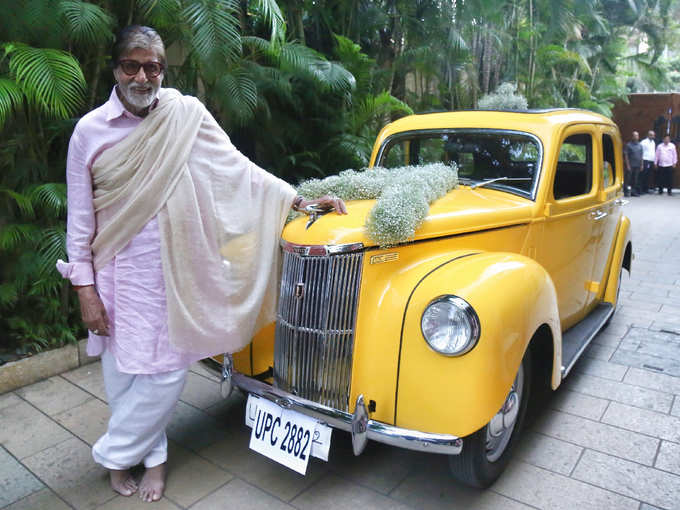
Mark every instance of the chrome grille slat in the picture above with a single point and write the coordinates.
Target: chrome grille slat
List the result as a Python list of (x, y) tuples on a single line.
[(315, 331)]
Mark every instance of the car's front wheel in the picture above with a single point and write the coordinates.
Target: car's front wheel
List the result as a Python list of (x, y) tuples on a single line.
[(486, 452)]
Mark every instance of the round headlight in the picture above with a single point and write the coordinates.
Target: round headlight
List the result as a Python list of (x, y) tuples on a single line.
[(450, 325)]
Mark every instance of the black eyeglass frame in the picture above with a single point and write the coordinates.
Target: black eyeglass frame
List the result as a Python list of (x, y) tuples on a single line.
[(146, 66)]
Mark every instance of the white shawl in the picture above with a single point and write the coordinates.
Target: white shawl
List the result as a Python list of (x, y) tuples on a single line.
[(220, 220)]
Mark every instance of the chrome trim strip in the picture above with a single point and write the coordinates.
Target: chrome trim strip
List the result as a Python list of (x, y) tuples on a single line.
[(320, 250), (355, 424)]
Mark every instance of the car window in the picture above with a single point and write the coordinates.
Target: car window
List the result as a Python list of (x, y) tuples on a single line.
[(574, 172), (609, 167), (479, 154)]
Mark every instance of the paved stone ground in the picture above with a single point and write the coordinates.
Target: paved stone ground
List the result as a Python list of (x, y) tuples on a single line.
[(609, 438)]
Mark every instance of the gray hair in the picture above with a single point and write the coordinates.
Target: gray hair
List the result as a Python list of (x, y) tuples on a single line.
[(137, 36)]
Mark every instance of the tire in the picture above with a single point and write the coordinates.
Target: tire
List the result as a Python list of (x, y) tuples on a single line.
[(484, 457)]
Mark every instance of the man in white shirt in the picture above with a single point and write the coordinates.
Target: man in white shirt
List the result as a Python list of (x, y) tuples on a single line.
[(648, 154)]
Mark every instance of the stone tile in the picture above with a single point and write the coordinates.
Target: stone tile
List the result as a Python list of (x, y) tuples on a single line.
[(8, 399), (621, 392), (648, 361), (201, 392), (647, 422), (651, 298), (334, 493), (670, 309), (25, 430), (89, 378), (239, 494), (380, 467), (547, 452), (44, 499), (641, 304), (599, 351), (87, 421), (430, 486), (53, 395), (599, 436), (68, 469), (579, 404), (653, 380), (16, 482), (544, 489), (229, 410), (669, 458), (675, 411), (233, 454), (191, 477), (664, 325), (592, 366), (645, 506), (644, 483), (194, 429), (200, 369)]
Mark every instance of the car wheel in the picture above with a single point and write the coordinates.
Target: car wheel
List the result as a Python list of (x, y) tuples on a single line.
[(486, 452)]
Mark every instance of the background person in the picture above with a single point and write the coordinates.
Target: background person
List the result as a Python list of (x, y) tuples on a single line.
[(648, 155), (173, 244), (633, 159), (665, 160)]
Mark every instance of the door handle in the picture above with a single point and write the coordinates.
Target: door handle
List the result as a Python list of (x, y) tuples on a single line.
[(597, 215), (620, 201)]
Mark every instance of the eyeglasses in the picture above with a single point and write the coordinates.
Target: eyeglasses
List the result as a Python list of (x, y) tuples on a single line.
[(131, 67)]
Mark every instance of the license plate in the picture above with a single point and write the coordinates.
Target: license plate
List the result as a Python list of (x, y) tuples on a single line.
[(286, 436)]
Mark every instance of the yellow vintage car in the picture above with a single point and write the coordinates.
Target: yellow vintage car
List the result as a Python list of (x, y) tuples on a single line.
[(436, 344)]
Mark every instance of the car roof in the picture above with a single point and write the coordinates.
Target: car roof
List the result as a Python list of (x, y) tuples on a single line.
[(528, 120)]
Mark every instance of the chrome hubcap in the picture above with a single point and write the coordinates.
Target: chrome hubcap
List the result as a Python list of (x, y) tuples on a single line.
[(499, 430)]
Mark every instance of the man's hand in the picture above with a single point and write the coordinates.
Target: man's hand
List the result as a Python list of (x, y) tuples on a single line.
[(92, 311), (326, 202)]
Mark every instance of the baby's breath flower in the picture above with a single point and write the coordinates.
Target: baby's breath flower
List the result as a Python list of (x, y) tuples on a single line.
[(403, 196)]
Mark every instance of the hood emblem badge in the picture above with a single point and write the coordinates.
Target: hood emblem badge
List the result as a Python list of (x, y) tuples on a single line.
[(315, 212)]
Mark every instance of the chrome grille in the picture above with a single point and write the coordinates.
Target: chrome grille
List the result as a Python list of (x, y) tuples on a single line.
[(315, 326)]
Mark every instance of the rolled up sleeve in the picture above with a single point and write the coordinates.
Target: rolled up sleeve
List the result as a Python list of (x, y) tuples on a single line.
[(80, 223)]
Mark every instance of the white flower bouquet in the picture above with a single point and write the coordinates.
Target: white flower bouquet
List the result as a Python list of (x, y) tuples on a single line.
[(403, 196)]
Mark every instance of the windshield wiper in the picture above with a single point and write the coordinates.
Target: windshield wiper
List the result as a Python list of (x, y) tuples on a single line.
[(489, 181)]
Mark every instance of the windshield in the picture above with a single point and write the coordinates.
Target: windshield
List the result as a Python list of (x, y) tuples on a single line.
[(511, 157)]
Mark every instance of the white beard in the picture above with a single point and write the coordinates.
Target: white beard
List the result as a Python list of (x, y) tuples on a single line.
[(139, 100)]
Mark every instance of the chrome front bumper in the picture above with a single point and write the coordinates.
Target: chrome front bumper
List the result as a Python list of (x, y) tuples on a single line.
[(358, 424)]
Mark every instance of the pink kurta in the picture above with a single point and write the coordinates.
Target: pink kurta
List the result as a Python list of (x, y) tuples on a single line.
[(131, 286)]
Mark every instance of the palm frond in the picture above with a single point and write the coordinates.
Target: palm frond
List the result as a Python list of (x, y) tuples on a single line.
[(15, 235), (50, 196), (86, 23), (23, 202), (8, 295), (272, 14), (215, 29), (239, 95), (51, 246), (51, 79), (11, 99), (161, 13)]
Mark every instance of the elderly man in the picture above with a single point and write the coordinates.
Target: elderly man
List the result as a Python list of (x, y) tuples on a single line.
[(173, 249)]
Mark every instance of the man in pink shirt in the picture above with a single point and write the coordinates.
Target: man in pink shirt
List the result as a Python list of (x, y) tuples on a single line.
[(151, 178), (666, 158)]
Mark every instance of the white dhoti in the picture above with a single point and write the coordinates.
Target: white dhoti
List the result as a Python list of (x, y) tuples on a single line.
[(141, 407)]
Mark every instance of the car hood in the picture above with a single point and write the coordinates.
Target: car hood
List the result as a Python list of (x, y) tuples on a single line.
[(459, 211)]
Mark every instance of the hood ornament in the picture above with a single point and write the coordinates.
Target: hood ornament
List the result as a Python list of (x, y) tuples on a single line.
[(315, 212)]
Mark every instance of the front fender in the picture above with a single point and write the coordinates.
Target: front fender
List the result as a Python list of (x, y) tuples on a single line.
[(513, 296), (623, 242)]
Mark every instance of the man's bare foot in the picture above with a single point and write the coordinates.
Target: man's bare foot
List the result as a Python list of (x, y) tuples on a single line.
[(152, 485), (122, 482)]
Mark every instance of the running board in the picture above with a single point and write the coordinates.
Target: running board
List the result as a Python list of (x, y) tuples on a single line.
[(577, 338)]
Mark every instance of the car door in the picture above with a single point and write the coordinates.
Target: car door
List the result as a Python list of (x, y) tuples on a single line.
[(606, 219), (568, 248)]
